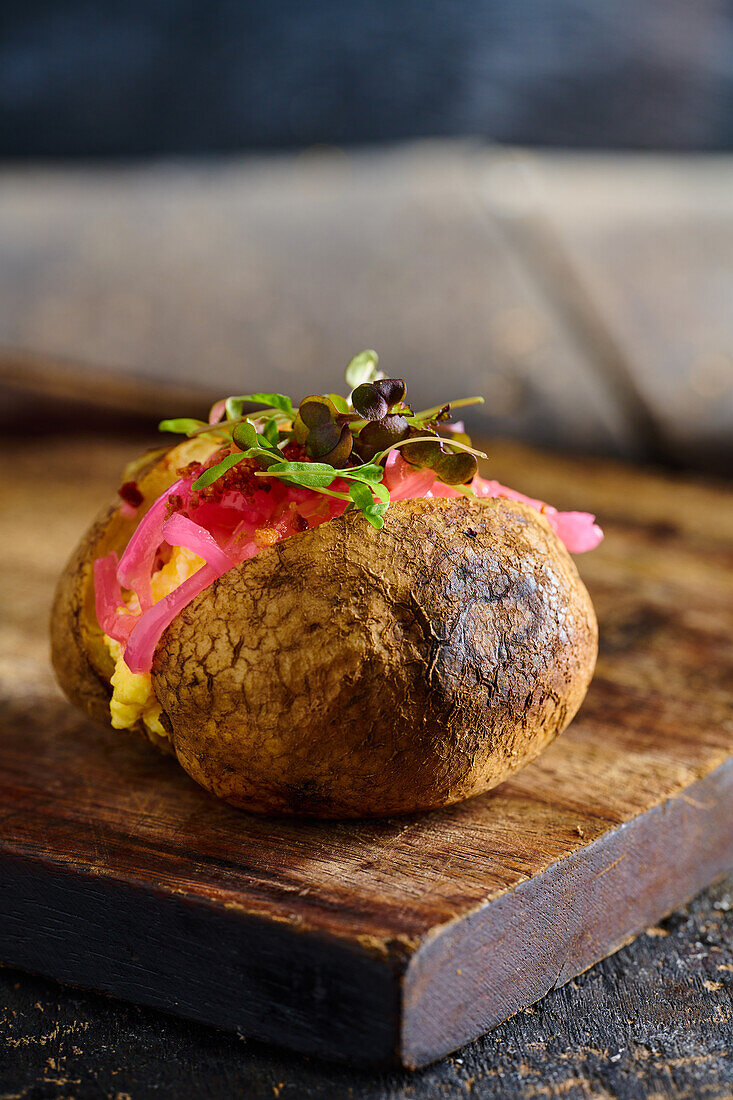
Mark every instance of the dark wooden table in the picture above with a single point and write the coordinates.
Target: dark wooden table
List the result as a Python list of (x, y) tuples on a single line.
[(654, 1020), (590, 301)]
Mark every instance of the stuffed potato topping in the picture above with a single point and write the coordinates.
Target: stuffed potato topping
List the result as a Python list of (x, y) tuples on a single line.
[(325, 610)]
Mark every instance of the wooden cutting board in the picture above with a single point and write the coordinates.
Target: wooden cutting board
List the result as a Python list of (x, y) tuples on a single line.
[(392, 939)]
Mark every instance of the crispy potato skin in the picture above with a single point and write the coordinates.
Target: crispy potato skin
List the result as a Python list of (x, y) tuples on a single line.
[(350, 672)]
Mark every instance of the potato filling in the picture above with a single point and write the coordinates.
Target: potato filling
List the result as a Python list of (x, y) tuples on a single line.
[(133, 699)]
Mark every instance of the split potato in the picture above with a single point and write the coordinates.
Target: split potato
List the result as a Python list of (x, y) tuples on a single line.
[(347, 671)]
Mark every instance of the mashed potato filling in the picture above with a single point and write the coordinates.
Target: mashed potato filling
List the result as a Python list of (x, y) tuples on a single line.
[(133, 699)]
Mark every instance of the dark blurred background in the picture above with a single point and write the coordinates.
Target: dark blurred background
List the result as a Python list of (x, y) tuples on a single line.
[(528, 200), (83, 78)]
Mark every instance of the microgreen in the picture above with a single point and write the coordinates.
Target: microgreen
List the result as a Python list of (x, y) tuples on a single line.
[(344, 442), (235, 405), (182, 426), (213, 473), (362, 368)]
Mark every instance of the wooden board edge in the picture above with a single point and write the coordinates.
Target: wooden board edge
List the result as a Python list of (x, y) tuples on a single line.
[(479, 970), (311, 992)]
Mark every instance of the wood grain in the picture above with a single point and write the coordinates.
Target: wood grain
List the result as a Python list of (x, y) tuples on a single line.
[(115, 865)]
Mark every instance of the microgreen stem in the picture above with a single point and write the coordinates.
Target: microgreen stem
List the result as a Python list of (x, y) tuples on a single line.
[(426, 414), (313, 488), (429, 439), (267, 414)]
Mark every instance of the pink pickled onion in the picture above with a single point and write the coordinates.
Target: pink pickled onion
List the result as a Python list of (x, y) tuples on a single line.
[(136, 564), (107, 592), (181, 531), (405, 482), (112, 616), (217, 411), (152, 623), (578, 530)]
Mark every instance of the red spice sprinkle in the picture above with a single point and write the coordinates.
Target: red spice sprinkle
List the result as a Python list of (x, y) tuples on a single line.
[(241, 478), (130, 493), (294, 452), (173, 504), (192, 470)]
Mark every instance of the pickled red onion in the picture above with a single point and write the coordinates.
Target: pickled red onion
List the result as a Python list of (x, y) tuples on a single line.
[(179, 530), (107, 592), (136, 564), (217, 411), (578, 530), (112, 615), (151, 624)]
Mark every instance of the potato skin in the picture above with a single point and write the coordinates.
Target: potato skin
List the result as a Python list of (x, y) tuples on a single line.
[(352, 672), (349, 672)]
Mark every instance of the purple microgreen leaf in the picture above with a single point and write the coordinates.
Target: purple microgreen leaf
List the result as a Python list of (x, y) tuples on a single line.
[(451, 467), (316, 410), (369, 404), (393, 390), (339, 454), (324, 438), (382, 434)]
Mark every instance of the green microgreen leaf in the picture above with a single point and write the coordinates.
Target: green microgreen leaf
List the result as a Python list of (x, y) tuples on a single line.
[(374, 515), (184, 425), (271, 432), (308, 474), (369, 472), (340, 403), (235, 405), (208, 477), (362, 368), (244, 435), (372, 510), (361, 495)]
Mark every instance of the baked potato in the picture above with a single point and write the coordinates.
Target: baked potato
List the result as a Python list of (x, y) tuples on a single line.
[(350, 667)]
